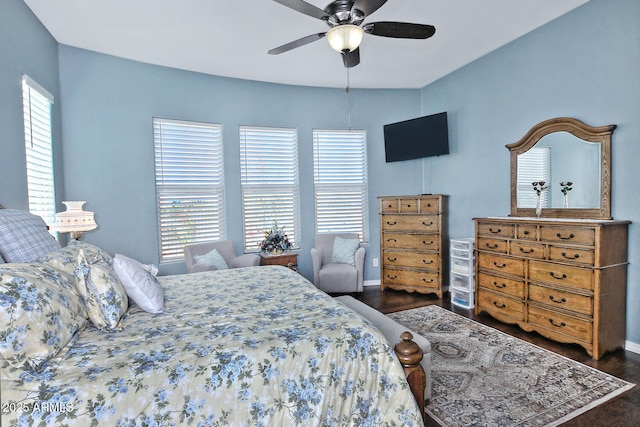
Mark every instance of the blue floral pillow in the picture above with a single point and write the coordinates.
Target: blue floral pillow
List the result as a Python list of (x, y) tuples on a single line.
[(344, 251), (40, 311), (104, 297), (66, 259)]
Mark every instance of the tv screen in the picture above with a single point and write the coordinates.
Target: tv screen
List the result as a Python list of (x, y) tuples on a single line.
[(416, 138)]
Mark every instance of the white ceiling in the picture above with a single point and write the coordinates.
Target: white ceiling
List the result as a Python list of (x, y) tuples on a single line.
[(231, 37)]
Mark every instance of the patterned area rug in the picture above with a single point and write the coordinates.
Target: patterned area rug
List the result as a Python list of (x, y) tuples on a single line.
[(484, 377)]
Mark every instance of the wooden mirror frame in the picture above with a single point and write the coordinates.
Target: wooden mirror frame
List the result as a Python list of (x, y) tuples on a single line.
[(601, 135)]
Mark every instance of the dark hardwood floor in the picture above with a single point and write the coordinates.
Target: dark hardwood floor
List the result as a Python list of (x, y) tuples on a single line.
[(621, 411)]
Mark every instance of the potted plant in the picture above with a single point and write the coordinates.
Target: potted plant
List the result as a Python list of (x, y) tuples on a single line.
[(275, 240)]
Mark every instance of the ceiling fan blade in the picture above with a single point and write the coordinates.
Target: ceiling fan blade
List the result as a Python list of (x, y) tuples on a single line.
[(351, 59), (400, 30), (296, 43), (304, 7), (367, 7)]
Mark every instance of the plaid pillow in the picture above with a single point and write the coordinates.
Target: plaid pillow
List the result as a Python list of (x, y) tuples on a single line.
[(24, 236)]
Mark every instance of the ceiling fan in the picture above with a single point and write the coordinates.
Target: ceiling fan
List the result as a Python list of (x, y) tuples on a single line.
[(346, 17)]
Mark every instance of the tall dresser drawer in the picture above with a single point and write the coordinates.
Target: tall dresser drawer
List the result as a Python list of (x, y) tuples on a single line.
[(568, 235), (496, 230), (424, 223), (425, 242), (513, 266), (411, 277), (575, 277), (501, 304), (528, 249), (411, 259)]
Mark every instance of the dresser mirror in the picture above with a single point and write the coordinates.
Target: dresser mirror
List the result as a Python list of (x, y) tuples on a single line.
[(573, 160)]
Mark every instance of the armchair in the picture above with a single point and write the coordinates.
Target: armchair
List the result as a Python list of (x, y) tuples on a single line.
[(227, 251), (335, 277)]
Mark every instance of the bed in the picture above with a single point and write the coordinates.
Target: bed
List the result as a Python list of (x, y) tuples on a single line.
[(249, 346)]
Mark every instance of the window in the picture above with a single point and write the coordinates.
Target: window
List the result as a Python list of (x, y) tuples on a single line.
[(189, 184), (340, 181), (269, 178), (534, 165), (36, 105)]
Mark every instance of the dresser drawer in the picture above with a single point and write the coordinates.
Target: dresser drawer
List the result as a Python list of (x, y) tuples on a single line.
[(573, 255), (430, 205), (411, 259), (408, 205), (513, 266), (494, 245), (496, 229), (501, 304), (559, 323), (560, 299), (426, 242), (422, 223), (527, 249), (511, 287), (411, 277), (527, 232), (573, 235), (564, 275), (389, 205)]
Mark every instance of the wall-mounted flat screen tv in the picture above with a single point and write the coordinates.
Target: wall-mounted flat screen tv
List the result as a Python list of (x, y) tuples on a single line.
[(416, 138)]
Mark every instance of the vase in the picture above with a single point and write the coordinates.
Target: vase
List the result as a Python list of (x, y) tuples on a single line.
[(538, 206), (565, 202), (276, 251)]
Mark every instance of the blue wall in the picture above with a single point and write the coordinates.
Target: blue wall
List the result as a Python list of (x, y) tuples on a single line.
[(26, 47), (585, 65), (108, 106)]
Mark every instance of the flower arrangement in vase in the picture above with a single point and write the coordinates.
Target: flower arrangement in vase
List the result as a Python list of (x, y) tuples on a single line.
[(539, 187), (275, 240), (565, 187)]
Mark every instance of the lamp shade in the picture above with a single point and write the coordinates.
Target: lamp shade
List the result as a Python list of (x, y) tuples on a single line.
[(345, 37), (74, 219)]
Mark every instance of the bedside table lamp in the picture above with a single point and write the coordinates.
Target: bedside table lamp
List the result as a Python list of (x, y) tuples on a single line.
[(74, 220)]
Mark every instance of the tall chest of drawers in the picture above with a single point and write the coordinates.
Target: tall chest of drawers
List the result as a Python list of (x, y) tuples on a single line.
[(565, 279), (412, 233)]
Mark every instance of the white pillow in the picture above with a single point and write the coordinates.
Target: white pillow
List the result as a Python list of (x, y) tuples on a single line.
[(139, 283), (213, 259), (344, 251)]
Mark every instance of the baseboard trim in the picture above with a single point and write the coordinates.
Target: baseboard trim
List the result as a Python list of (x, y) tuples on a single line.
[(632, 346), (371, 283)]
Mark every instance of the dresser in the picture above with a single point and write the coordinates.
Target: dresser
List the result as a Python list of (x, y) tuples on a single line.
[(565, 279), (412, 235)]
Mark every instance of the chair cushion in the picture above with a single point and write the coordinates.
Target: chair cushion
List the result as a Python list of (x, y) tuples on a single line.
[(338, 278), (24, 236), (344, 250), (213, 258), (139, 283)]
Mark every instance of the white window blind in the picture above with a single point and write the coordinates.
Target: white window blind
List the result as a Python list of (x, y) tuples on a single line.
[(269, 178), (534, 166), (340, 181), (189, 172), (36, 103)]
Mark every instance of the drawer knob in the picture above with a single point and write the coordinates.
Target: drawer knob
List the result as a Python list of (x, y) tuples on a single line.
[(391, 277), (559, 236), (525, 232), (409, 206), (427, 281), (503, 265), (557, 325), (558, 301), (501, 285), (490, 246), (574, 256), (559, 277), (427, 224), (391, 222), (499, 305), (529, 251), (427, 261), (491, 230), (424, 242), (391, 240), (392, 259)]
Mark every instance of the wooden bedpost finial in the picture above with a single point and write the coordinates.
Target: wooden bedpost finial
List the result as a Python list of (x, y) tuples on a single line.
[(409, 353)]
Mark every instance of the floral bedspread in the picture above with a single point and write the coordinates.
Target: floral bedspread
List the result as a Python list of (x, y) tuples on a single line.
[(253, 346)]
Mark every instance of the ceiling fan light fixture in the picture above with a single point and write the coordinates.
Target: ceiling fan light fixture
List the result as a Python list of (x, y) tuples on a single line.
[(345, 37)]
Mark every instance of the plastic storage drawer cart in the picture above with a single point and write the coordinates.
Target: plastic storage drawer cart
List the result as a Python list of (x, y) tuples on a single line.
[(462, 277)]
